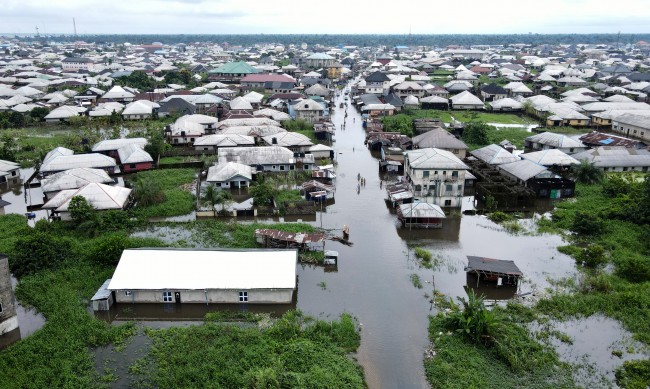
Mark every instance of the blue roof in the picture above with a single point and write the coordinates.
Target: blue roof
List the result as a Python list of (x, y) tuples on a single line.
[(606, 141)]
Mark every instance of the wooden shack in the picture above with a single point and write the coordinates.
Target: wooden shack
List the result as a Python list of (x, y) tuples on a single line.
[(499, 271)]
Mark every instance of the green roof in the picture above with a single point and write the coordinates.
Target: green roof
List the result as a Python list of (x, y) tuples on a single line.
[(240, 67)]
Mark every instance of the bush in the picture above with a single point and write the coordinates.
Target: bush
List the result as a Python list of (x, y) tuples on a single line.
[(634, 374), (587, 224), (499, 217), (38, 250), (593, 256), (633, 267)]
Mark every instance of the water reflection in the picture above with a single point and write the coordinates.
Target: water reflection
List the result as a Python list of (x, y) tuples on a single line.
[(29, 321)]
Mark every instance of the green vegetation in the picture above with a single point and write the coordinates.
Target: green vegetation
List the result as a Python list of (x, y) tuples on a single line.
[(238, 235), (587, 173), (423, 254), (609, 222), (288, 195), (175, 184), (477, 348), (293, 352), (634, 374), (415, 280)]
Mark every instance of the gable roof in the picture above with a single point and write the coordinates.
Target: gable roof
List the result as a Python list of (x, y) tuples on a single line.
[(100, 196), (494, 155), (440, 138), (377, 77), (432, 158), (74, 179)]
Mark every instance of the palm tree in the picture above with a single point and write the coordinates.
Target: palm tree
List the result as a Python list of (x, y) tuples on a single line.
[(587, 173), (212, 196), (148, 192)]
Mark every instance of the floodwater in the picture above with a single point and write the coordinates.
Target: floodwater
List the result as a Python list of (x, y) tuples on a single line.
[(29, 321), (595, 362), (373, 281), (19, 198)]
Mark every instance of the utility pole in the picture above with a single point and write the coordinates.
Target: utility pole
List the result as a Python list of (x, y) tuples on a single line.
[(37, 34), (74, 27)]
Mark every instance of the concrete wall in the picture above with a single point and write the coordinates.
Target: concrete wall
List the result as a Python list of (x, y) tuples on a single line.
[(215, 296), (8, 320), (631, 130)]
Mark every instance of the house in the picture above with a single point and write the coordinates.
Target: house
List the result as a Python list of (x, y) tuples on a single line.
[(294, 141), (8, 318), (377, 84), (551, 158), (207, 276), (550, 140), (466, 100), (334, 71), (60, 162), (72, 64), (176, 106), (268, 158), (617, 158), (133, 158), (318, 60), (441, 139), (420, 215), (437, 173), (499, 271), (320, 151), (109, 147), (409, 88), (9, 173), (216, 141), (231, 71), (536, 177), (89, 95), (493, 92), (73, 179), (230, 175), (63, 113), (140, 109), (118, 94), (101, 197), (494, 155), (634, 125), (308, 110), (259, 81), (505, 104)]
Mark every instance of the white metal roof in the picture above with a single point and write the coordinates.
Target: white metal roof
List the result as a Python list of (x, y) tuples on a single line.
[(100, 196), (65, 162), (133, 153), (550, 157), (74, 179), (225, 140), (114, 144), (160, 269), (228, 170), (432, 158)]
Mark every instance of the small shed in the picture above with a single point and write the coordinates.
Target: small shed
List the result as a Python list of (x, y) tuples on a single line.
[(103, 298), (420, 215), (488, 269)]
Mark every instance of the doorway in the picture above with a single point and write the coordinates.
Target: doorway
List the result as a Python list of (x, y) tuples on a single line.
[(177, 297)]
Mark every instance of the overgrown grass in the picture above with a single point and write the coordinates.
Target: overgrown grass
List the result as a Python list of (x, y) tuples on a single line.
[(517, 361), (289, 195), (294, 352), (238, 235), (178, 200), (627, 248)]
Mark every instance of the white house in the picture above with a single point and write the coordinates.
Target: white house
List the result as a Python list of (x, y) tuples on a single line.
[(99, 196), (309, 110), (205, 276), (230, 175), (437, 175)]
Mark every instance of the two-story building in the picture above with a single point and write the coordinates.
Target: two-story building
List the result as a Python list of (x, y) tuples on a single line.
[(377, 83), (436, 176)]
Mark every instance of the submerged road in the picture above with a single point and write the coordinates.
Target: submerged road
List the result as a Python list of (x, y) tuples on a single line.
[(372, 282)]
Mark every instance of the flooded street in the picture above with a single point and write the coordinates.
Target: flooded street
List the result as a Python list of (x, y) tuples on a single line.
[(373, 281)]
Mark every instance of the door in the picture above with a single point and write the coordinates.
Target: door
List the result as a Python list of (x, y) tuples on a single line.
[(177, 297)]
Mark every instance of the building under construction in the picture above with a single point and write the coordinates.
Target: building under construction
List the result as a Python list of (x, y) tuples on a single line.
[(495, 191)]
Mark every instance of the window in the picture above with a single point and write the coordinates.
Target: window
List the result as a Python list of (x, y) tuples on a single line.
[(282, 167), (306, 167), (243, 297), (447, 203), (625, 169), (454, 174), (425, 174), (132, 166), (448, 188), (167, 297), (273, 167)]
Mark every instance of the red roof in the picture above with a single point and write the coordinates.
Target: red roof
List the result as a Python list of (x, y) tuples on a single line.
[(267, 77)]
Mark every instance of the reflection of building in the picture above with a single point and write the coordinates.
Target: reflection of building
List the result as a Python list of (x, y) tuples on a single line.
[(8, 318), (203, 276)]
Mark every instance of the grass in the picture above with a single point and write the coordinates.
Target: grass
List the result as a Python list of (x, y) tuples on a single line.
[(294, 352), (238, 235), (415, 280), (178, 201), (465, 116), (520, 361), (288, 195)]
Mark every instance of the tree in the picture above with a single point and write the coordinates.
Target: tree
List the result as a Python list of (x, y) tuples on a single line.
[(157, 145), (148, 192), (39, 113), (262, 193), (7, 152), (587, 173), (476, 133), (213, 196), (586, 224), (80, 210)]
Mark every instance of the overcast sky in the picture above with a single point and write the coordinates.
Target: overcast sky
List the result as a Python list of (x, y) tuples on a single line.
[(325, 17)]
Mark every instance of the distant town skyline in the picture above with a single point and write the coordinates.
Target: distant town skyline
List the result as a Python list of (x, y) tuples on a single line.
[(333, 17)]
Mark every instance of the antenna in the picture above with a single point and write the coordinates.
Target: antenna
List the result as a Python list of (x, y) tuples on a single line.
[(74, 26), (618, 38), (37, 34)]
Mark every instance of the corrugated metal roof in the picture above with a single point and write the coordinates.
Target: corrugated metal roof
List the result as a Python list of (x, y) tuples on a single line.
[(421, 210), (492, 266), (523, 169), (160, 269), (432, 158), (74, 179), (494, 155), (550, 157), (66, 162)]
